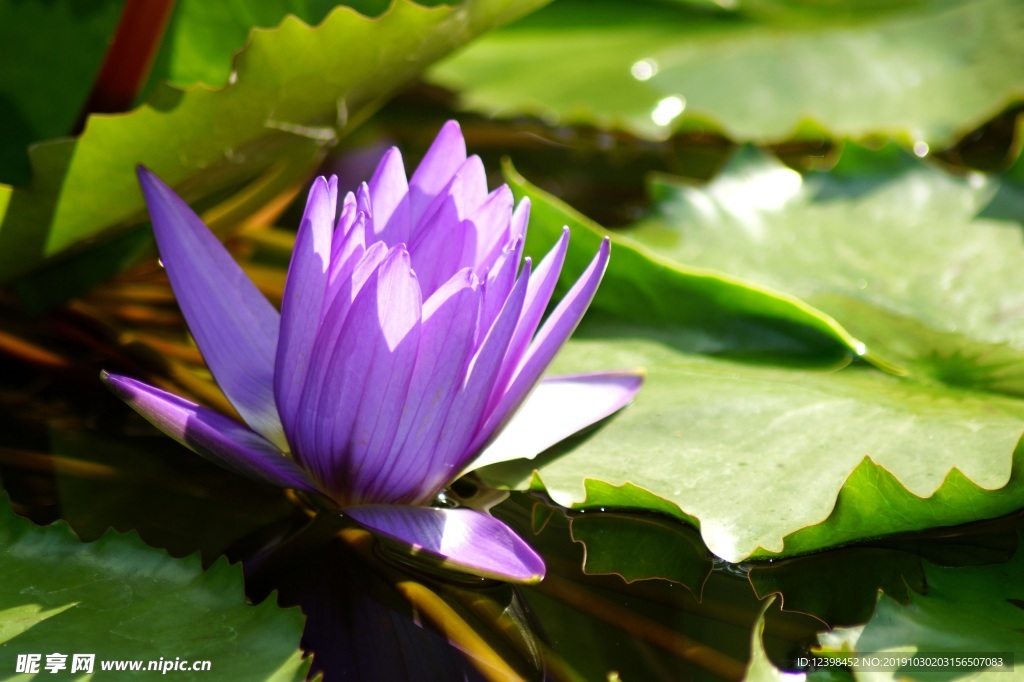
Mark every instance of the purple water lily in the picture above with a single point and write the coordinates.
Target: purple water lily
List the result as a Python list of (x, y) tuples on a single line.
[(406, 352)]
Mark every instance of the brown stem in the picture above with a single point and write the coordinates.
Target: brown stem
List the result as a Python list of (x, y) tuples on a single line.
[(129, 58)]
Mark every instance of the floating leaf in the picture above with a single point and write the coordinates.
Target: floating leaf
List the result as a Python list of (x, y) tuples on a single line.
[(895, 566), (784, 460), (120, 600), (653, 68), (833, 456)]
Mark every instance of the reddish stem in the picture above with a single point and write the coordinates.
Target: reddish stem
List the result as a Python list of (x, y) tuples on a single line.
[(129, 58)]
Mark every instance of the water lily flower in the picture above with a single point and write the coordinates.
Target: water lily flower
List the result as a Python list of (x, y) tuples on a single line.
[(406, 352)]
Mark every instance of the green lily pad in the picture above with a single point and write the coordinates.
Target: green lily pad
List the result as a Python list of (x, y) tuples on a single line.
[(982, 603), (654, 68), (120, 600), (834, 457), (776, 460), (205, 141), (921, 267)]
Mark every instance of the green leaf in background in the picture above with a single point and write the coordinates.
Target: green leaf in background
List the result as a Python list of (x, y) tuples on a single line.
[(966, 612), (204, 141), (930, 72), (922, 267), (120, 600), (203, 37), (51, 53)]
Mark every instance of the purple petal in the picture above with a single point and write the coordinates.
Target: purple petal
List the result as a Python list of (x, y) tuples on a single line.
[(210, 434), (473, 188), (549, 339), (446, 343), (341, 295), (491, 222), (499, 283), (389, 197), (467, 411), (520, 218), (538, 295), (438, 248), (303, 299), (353, 414), (558, 408), (233, 324), (464, 539), (442, 160)]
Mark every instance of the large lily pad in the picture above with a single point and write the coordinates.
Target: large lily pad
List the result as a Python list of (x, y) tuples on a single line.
[(655, 67), (203, 141), (120, 600), (784, 460), (788, 459)]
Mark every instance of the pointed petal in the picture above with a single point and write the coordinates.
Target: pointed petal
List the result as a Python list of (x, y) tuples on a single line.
[(352, 405), (558, 408), (473, 188), (538, 295), (233, 324), (467, 412), (437, 249), (520, 219), (446, 344), (491, 222), (303, 299), (465, 540), (389, 197), (219, 439), (549, 340), (442, 160), (498, 285)]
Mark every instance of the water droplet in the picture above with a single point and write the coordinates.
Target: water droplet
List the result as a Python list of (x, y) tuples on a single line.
[(862, 283), (921, 149)]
